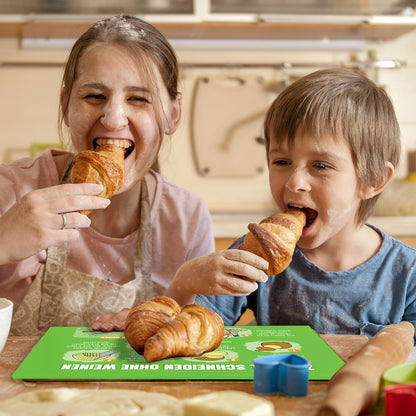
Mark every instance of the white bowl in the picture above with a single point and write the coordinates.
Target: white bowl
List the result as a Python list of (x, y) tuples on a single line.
[(6, 312)]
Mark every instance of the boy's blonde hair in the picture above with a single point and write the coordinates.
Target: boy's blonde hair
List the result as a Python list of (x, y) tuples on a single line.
[(347, 106)]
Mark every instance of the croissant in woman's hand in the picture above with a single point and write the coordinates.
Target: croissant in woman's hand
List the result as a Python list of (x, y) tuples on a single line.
[(104, 166), (275, 238), (158, 328)]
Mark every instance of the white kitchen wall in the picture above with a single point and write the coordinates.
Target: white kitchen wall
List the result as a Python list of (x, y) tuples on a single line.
[(401, 86), (29, 92), (29, 99)]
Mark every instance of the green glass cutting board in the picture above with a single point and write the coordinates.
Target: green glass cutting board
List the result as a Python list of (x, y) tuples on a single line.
[(79, 353)]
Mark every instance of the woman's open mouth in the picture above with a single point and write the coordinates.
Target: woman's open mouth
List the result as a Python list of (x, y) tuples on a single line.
[(126, 145)]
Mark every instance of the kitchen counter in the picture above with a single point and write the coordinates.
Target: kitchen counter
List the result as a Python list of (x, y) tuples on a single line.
[(17, 348)]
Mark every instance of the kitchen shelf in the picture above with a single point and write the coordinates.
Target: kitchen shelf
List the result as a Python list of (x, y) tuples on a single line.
[(383, 30), (215, 19)]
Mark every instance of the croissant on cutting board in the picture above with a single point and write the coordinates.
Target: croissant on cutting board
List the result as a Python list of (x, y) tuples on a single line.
[(275, 238), (146, 318), (192, 331), (104, 166)]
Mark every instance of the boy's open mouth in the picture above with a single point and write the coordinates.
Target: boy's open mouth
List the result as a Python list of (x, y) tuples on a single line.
[(310, 213), (127, 145)]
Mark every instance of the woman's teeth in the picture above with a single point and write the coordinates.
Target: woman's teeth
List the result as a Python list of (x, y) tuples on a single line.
[(120, 143), (124, 144)]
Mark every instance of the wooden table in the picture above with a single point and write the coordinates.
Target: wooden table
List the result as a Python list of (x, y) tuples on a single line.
[(17, 348)]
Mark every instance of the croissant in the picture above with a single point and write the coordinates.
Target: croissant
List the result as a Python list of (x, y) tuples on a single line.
[(275, 238), (194, 331), (146, 318), (104, 166)]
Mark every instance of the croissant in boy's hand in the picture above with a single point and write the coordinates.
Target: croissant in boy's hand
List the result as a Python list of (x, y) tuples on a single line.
[(104, 166), (275, 238), (172, 332)]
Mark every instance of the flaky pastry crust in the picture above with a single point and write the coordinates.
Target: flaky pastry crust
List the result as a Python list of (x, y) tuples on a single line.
[(158, 328), (275, 238), (104, 166)]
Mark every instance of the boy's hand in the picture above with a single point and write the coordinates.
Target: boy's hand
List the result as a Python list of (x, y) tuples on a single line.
[(227, 272)]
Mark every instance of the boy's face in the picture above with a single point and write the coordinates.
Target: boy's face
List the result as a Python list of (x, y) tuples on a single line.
[(319, 176)]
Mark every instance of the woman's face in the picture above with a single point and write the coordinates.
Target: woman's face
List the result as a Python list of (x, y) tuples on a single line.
[(111, 102)]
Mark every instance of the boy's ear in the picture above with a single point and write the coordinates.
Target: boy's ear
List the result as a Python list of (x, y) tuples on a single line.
[(373, 190), (175, 115)]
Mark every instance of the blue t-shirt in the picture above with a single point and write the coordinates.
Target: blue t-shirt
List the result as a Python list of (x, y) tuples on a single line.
[(380, 292)]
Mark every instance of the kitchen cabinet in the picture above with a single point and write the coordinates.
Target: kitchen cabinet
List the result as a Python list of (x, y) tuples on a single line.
[(215, 19), (411, 241), (311, 7), (295, 30)]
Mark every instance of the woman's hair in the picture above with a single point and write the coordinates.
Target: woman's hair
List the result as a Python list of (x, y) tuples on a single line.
[(346, 106), (150, 48)]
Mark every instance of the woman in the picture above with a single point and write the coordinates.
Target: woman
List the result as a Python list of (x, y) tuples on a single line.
[(61, 267)]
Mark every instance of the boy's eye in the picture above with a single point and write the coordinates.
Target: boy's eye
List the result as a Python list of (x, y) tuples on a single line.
[(140, 99), (280, 162)]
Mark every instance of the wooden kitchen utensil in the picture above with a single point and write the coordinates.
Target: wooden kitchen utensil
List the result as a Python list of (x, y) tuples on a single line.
[(354, 389)]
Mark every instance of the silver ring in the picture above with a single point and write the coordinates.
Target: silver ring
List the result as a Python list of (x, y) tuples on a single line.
[(63, 221)]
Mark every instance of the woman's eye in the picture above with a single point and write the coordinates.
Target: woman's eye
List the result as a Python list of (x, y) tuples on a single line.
[(95, 96), (322, 166)]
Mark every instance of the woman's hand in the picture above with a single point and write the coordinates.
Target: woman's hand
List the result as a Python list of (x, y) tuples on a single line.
[(113, 321), (227, 272), (46, 217)]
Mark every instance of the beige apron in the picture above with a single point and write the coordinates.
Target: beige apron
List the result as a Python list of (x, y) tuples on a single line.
[(62, 297)]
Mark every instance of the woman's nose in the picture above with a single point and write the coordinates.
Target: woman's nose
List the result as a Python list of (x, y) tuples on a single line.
[(298, 181), (114, 117)]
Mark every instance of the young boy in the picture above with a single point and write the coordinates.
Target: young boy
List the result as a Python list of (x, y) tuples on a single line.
[(332, 143)]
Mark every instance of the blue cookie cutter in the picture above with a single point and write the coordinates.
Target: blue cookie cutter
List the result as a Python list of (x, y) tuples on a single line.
[(281, 373)]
